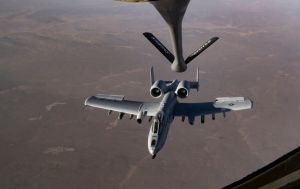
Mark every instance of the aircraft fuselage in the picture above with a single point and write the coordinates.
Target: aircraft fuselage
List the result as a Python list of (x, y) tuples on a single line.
[(160, 126)]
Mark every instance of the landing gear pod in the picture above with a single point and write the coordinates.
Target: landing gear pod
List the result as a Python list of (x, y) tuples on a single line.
[(191, 120), (140, 117)]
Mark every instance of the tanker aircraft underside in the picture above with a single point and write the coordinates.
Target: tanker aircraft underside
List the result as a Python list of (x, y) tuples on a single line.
[(173, 12)]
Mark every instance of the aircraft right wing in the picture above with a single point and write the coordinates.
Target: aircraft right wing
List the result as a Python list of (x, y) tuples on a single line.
[(220, 105), (119, 104)]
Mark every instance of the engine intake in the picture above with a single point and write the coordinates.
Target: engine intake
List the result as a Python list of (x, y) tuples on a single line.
[(158, 89), (183, 89)]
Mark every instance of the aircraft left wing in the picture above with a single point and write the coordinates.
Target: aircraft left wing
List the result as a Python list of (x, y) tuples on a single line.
[(119, 104), (220, 105)]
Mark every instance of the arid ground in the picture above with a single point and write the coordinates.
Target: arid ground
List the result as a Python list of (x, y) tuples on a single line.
[(55, 53)]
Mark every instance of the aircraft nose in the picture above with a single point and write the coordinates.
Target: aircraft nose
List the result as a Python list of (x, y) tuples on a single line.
[(151, 151)]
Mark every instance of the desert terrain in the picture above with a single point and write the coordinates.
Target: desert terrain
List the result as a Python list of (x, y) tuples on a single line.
[(54, 54)]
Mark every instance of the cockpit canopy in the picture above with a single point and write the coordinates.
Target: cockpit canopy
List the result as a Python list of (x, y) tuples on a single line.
[(155, 127)]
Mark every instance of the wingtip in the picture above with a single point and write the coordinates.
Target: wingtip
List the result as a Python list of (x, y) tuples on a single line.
[(86, 100)]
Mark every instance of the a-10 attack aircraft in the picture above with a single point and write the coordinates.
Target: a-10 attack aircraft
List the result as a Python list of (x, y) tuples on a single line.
[(164, 112), (173, 12)]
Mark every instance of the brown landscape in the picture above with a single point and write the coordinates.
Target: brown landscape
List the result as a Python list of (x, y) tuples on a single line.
[(54, 54)]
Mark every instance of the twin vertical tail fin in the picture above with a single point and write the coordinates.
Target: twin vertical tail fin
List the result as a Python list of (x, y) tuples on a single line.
[(152, 79), (197, 79), (164, 51), (195, 84)]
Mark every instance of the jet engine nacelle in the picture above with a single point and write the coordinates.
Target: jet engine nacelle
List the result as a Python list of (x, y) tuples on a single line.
[(158, 88), (183, 88)]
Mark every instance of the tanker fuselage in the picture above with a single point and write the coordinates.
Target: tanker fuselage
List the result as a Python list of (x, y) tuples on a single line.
[(173, 12)]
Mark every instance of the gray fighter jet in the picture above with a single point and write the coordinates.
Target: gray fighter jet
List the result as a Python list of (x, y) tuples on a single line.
[(163, 113), (173, 12)]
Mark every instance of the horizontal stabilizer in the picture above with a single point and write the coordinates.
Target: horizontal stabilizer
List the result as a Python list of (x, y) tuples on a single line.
[(162, 49), (201, 49), (195, 84)]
